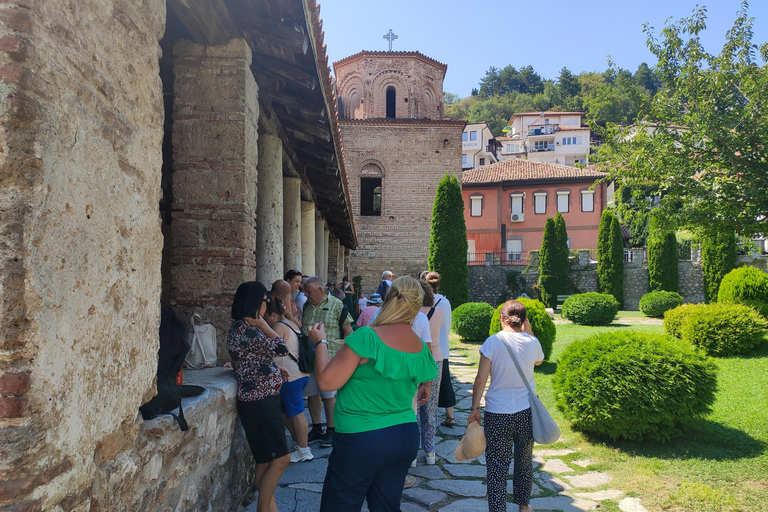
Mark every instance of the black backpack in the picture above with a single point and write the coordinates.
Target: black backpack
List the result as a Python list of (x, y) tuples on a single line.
[(306, 359), (173, 350)]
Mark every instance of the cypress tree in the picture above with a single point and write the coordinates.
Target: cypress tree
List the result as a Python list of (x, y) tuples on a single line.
[(448, 241), (663, 272), (718, 257), (610, 257), (549, 282), (617, 260), (563, 253)]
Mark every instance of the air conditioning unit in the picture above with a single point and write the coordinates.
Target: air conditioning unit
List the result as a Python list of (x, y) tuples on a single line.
[(518, 217)]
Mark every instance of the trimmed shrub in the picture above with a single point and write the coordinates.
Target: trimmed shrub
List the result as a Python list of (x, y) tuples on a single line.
[(590, 308), (723, 329), (718, 257), (674, 318), (541, 324), (656, 303), (448, 241), (472, 320), (610, 257), (550, 283), (634, 385), (662, 257), (745, 285)]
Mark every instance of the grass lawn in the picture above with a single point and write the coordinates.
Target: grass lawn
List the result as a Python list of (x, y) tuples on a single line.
[(720, 465)]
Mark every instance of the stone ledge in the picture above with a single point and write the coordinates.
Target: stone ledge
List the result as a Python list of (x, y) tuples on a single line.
[(220, 387)]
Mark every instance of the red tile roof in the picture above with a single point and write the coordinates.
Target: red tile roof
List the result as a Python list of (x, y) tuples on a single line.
[(526, 170), (367, 53)]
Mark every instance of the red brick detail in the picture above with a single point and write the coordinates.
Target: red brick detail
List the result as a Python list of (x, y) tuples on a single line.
[(19, 487), (14, 384), (18, 48), (16, 19), (12, 407)]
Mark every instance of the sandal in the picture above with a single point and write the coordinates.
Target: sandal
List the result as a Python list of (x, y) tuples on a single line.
[(448, 422)]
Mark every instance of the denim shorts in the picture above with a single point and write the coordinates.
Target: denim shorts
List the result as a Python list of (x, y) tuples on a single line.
[(292, 398)]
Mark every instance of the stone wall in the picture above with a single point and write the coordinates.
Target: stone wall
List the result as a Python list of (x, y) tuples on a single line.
[(412, 158), (81, 116), (489, 283)]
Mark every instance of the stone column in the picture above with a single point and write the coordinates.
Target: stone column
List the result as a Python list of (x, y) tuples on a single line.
[(214, 180), (269, 210), (308, 238), (334, 264), (321, 256), (327, 251), (583, 258), (292, 224)]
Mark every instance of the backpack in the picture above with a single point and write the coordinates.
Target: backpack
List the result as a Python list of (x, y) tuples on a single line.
[(173, 349), (306, 359)]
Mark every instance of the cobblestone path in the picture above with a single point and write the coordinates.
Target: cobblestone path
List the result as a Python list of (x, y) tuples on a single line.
[(452, 486)]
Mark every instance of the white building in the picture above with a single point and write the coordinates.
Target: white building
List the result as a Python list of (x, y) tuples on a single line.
[(555, 137), (512, 147), (478, 147)]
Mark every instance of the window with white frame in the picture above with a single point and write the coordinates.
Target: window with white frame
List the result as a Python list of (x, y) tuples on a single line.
[(540, 202), (563, 198), (515, 250), (472, 135), (570, 141), (463, 159), (476, 206), (464, 136), (587, 200), (516, 203), (470, 251)]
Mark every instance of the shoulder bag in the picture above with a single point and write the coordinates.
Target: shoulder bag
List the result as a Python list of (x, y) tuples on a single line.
[(545, 430), (202, 344)]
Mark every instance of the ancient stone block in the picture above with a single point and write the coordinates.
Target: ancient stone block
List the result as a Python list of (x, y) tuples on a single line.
[(14, 384)]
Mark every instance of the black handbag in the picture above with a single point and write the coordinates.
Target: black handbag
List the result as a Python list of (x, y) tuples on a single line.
[(306, 359)]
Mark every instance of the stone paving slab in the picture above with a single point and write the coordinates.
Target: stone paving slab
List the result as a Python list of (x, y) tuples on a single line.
[(610, 494), (465, 470), (293, 500), (631, 505), (592, 479), (556, 466), (546, 452), (551, 482), (456, 430), (461, 488), (305, 472), (563, 503), (318, 488), (428, 472), (584, 463), (424, 497)]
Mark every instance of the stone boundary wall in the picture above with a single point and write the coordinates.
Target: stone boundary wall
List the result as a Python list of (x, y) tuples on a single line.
[(489, 283)]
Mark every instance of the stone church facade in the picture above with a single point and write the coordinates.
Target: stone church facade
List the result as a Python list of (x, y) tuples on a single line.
[(151, 152), (397, 147)]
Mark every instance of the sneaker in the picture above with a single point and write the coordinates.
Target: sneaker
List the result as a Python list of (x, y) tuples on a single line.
[(327, 439), (314, 435), (301, 456), (410, 481), (430, 459), (413, 464)]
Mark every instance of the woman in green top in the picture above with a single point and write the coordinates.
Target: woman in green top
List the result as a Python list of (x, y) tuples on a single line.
[(376, 373)]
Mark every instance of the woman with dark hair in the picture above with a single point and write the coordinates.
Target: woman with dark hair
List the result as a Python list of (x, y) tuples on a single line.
[(507, 407), (427, 414), (377, 372), (252, 344), (446, 397)]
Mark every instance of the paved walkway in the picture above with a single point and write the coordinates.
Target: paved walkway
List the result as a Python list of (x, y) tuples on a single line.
[(452, 486)]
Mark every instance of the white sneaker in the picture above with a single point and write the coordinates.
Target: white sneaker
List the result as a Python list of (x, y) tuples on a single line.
[(413, 464), (430, 459), (298, 456)]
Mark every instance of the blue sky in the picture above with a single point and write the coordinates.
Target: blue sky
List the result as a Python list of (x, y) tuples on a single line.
[(470, 36)]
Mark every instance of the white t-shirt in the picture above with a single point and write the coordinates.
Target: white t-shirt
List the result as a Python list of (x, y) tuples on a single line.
[(420, 325), (363, 302), (445, 330), (300, 300), (507, 393)]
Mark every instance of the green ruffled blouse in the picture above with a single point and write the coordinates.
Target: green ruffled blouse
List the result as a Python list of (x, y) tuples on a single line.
[(380, 392)]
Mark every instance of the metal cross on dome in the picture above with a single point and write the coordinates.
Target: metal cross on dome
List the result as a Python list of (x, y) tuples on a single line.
[(390, 36)]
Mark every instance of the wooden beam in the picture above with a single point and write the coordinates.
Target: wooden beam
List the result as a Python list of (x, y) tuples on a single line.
[(316, 129), (284, 33), (267, 64), (208, 21)]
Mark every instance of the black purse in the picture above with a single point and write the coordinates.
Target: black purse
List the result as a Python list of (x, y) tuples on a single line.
[(306, 359)]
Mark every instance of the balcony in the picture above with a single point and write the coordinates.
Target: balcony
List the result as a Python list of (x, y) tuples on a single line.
[(548, 147), (548, 129)]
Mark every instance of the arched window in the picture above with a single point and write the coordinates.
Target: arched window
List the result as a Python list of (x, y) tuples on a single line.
[(370, 196), (391, 99)]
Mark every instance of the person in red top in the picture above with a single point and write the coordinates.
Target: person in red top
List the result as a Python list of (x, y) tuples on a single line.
[(252, 344)]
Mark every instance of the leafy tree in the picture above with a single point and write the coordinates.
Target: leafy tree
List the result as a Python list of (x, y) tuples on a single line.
[(702, 136), (646, 78), (662, 257), (448, 241), (633, 207), (567, 83), (549, 279), (718, 257), (610, 257)]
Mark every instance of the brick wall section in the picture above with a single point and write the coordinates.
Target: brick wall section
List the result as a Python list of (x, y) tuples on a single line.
[(412, 159), (80, 156), (488, 283), (214, 181)]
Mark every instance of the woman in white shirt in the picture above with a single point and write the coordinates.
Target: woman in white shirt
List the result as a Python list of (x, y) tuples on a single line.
[(507, 407)]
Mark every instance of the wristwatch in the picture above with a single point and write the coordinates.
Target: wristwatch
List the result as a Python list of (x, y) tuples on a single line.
[(322, 341)]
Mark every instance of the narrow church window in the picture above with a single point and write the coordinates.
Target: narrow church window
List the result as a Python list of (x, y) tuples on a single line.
[(391, 97), (370, 196)]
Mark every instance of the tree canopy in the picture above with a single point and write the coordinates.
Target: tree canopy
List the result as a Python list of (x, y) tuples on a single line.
[(702, 138)]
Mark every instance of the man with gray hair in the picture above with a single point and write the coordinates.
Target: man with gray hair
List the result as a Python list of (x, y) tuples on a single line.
[(386, 281), (322, 307)]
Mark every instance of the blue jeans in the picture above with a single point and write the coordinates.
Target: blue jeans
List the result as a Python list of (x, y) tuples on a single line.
[(369, 465)]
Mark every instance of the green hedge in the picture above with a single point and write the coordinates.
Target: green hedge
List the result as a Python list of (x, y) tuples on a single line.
[(724, 329), (472, 320), (745, 285), (674, 318), (656, 303), (541, 324), (718, 257), (634, 385), (590, 308)]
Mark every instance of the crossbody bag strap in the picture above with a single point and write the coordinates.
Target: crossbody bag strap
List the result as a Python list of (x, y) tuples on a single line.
[(517, 365), (295, 359), (196, 338)]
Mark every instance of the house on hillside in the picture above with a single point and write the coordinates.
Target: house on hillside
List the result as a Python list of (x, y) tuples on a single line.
[(507, 205), (554, 137), (478, 146), (511, 147)]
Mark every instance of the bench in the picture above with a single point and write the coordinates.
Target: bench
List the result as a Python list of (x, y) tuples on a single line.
[(560, 300)]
